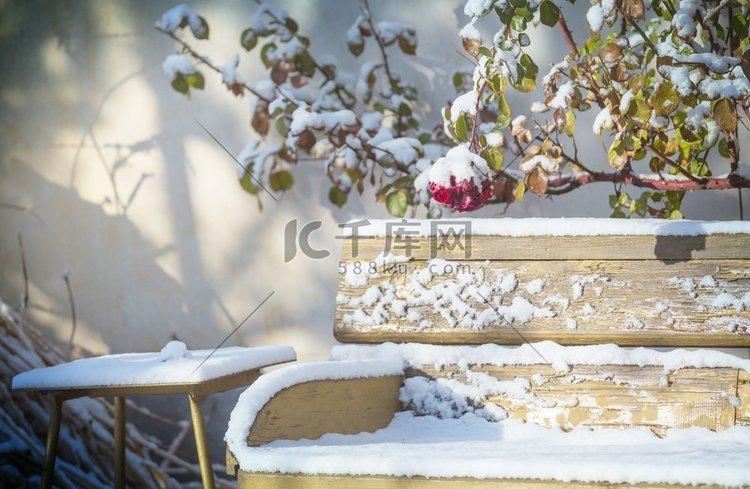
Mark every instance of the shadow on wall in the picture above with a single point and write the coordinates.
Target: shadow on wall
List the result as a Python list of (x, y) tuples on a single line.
[(112, 277)]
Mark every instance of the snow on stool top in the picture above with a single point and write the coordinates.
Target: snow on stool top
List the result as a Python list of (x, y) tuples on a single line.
[(537, 226), (175, 364)]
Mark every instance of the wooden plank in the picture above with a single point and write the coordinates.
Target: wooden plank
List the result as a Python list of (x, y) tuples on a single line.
[(614, 395), (312, 409), (711, 247), (629, 302), (247, 480), (743, 398)]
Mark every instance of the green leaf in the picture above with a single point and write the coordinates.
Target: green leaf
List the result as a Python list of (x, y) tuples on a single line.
[(337, 196), (504, 113), (461, 131), (523, 39), (291, 25), (356, 46), (281, 180), (407, 44), (675, 214), (396, 202), (570, 123), (425, 138), (247, 183), (494, 158), (281, 127), (458, 80), (248, 39), (549, 14), (196, 80), (264, 54), (201, 30), (518, 23), (404, 182), (525, 85), (665, 100), (305, 63), (530, 68), (485, 51), (180, 84)]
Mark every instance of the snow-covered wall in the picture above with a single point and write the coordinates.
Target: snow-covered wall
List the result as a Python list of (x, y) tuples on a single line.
[(127, 194)]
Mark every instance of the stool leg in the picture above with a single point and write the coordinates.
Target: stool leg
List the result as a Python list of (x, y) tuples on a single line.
[(50, 451), (119, 442), (201, 443)]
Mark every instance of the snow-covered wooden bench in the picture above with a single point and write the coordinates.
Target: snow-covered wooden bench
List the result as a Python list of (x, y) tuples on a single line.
[(433, 400)]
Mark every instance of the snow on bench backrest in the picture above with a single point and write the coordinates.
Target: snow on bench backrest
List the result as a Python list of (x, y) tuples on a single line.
[(602, 386), (572, 281)]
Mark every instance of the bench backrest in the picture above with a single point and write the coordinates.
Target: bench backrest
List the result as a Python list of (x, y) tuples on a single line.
[(572, 281)]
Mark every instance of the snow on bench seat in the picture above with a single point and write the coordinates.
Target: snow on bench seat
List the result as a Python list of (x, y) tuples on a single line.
[(471, 446), (452, 429), (173, 365)]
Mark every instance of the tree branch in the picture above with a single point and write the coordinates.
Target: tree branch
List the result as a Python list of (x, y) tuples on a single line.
[(378, 40), (563, 26), (714, 183), (192, 52)]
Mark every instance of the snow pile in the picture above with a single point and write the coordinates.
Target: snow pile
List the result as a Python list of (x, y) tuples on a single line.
[(173, 365), (562, 97), (174, 350), (175, 64), (548, 164), (537, 226), (603, 120), (257, 395), (684, 19), (464, 298), (464, 104), (303, 118), (416, 355), (229, 73), (179, 16)]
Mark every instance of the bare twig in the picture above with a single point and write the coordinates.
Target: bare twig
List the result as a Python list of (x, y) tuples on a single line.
[(24, 271), (66, 278)]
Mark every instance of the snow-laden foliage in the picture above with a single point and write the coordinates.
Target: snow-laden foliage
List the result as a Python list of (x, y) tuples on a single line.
[(667, 80)]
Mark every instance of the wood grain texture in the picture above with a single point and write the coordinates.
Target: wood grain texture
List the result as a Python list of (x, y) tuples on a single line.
[(615, 396), (743, 398), (711, 247), (247, 480), (628, 302), (312, 409)]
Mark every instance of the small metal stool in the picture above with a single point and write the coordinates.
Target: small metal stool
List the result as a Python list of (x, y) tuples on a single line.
[(48, 381)]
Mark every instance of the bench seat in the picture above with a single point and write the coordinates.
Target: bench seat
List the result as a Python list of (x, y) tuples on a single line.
[(401, 415), (472, 447)]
